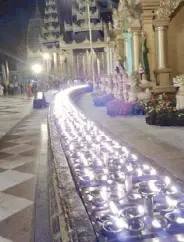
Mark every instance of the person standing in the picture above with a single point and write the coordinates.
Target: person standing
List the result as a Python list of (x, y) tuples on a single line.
[(5, 89), (28, 89), (21, 88), (1, 90), (11, 86), (34, 89)]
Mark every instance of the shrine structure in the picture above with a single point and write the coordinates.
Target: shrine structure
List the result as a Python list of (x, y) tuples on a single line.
[(75, 43)]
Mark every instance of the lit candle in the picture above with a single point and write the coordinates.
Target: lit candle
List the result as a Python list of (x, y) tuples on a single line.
[(104, 193), (113, 208), (120, 223), (98, 149), (84, 160)]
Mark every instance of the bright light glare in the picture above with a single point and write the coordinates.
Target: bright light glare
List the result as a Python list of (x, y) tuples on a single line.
[(40, 95), (171, 202), (46, 56), (156, 224), (167, 180), (180, 220), (113, 208), (120, 223), (37, 68), (140, 209), (104, 194)]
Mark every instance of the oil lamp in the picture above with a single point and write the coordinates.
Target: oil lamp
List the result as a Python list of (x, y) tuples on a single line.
[(122, 195)]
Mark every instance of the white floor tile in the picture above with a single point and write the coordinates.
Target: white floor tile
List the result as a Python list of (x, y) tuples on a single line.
[(15, 161), (4, 240), (11, 178), (22, 140), (10, 205), (17, 149)]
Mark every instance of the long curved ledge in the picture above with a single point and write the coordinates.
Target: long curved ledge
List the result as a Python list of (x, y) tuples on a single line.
[(100, 179)]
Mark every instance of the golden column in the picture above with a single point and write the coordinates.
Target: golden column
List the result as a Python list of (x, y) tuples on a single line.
[(107, 60), (148, 11), (162, 69), (135, 30), (126, 53), (55, 62), (110, 60)]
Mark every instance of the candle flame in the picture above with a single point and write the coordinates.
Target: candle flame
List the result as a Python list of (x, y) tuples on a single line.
[(113, 208), (120, 223), (180, 220), (104, 193), (167, 180), (156, 223)]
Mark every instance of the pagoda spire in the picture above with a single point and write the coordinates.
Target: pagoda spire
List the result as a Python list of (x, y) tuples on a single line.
[(37, 12)]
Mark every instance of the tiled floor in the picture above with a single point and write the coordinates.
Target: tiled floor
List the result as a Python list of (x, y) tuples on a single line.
[(20, 153), (163, 145), (12, 110)]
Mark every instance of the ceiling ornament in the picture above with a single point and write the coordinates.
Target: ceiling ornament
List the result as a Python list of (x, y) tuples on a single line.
[(167, 7)]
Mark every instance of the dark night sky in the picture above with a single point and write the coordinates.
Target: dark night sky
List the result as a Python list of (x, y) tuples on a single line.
[(14, 17)]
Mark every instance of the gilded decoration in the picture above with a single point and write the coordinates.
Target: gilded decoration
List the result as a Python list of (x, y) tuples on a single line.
[(167, 7), (127, 11)]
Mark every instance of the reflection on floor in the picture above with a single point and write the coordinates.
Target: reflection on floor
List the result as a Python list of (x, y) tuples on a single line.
[(20, 153)]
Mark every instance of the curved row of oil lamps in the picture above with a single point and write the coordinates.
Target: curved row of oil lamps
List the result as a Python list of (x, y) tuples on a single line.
[(125, 197)]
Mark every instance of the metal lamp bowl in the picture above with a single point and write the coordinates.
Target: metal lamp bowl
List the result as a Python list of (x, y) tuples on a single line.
[(132, 213), (145, 189), (162, 221), (135, 225), (110, 229), (163, 206), (98, 201), (117, 194), (180, 205), (104, 216), (134, 196), (172, 216)]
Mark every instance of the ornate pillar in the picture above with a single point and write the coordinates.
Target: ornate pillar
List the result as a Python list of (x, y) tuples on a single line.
[(148, 8), (71, 64), (162, 70), (128, 51), (77, 65), (135, 30), (110, 61), (119, 47), (55, 62), (107, 60)]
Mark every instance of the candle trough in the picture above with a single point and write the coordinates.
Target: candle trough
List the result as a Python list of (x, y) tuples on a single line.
[(120, 192)]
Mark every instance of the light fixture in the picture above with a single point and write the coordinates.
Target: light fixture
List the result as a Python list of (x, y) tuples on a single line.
[(46, 56), (37, 68)]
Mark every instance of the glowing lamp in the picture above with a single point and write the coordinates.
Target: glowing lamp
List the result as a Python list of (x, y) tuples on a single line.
[(37, 68)]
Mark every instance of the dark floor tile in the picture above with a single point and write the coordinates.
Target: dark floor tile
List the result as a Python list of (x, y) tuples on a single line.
[(10, 137), (25, 189), (31, 167), (18, 227), (4, 145), (4, 155), (32, 152), (2, 170)]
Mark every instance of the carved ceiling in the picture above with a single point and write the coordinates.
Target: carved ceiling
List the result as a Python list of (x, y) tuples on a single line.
[(167, 7)]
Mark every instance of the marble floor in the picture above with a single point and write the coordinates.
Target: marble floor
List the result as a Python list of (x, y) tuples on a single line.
[(21, 152), (162, 145), (12, 110)]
